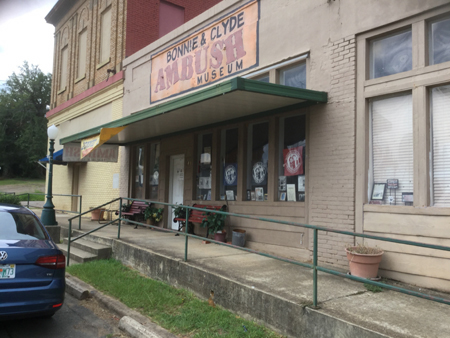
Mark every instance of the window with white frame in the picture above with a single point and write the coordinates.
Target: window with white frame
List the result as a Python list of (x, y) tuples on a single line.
[(204, 168), (64, 66), (294, 76), (105, 37), (391, 150), (440, 137), (439, 41), (263, 78), (391, 54)]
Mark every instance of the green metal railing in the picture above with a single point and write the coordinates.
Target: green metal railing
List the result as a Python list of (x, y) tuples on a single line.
[(80, 202), (315, 229)]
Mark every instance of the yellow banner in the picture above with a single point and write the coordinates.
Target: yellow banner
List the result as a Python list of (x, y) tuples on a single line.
[(91, 143), (225, 48)]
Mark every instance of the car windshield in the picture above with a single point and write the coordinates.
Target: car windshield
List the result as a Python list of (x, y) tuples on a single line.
[(18, 226)]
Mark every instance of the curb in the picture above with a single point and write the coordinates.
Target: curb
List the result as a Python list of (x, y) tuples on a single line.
[(131, 321)]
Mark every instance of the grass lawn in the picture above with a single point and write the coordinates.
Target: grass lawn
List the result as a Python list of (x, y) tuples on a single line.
[(21, 181), (177, 310)]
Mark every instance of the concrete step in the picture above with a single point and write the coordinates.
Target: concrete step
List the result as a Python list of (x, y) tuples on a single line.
[(100, 250), (77, 255)]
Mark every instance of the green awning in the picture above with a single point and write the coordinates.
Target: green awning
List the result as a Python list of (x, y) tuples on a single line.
[(229, 101)]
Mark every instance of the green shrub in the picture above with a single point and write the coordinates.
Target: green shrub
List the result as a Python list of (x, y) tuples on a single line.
[(10, 199)]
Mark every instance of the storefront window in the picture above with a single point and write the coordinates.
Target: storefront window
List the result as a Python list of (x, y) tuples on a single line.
[(139, 190), (204, 167), (440, 123), (391, 55), (229, 164), (257, 160), (291, 163), (154, 171), (391, 151), (263, 78), (294, 76)]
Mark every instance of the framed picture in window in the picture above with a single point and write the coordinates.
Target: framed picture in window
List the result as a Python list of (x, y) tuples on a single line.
[(259, 194), (253, 196), (283, 196), (378, 191)]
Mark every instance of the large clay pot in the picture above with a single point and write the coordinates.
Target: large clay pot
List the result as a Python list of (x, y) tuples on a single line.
[(364, 265), (220, 236), (97, 214), (150, 221)]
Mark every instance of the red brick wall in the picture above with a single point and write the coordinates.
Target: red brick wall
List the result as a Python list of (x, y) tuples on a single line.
[(143, 20)]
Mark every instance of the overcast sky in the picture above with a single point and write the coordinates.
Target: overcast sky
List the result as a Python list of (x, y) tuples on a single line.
[(25, 35)]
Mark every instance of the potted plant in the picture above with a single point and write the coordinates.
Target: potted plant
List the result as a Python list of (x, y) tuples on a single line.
[(215, 223), (364, 260), (179, 212), (153, 215)]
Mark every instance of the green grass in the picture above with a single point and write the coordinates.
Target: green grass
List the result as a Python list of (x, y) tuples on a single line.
[(177, 310), (373, 288), (21, 181)]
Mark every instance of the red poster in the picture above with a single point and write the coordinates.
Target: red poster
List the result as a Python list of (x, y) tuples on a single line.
[(293, 161)]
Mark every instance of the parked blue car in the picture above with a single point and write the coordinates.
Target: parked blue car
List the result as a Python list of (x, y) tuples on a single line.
[(32, 268)]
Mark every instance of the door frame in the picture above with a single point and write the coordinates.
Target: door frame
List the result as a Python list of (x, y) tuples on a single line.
[(170, 197)]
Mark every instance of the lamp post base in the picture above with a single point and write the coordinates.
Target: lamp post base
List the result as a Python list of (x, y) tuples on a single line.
[(48, 216)]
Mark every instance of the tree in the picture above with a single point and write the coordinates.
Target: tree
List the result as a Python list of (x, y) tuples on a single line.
[(23, 125)]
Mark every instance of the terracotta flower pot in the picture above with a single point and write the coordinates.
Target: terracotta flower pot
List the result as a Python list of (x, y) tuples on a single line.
[(364, 265), (220, 236), (150, 221), (97, 214)]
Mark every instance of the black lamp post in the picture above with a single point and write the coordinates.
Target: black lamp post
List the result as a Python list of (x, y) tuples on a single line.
[(48, 213)]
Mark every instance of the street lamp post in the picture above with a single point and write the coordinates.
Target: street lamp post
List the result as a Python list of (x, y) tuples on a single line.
[(48, 213)]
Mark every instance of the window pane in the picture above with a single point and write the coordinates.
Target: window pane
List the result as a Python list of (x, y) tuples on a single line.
[(440, 121), (106, 36), (439, 41), (391, 55), (257, 160), (229, 159), (294, 76), (139, 173), (263, 78), (17, 226), (291, 162), (154, 171), (392, 149), (82, 41), (64, 65), (204, 167)]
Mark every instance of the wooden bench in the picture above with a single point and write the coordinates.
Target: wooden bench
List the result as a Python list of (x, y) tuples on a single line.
[(197, 216), (136, 211)]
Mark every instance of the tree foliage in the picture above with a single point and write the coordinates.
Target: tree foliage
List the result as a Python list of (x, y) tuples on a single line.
[(23, 125)]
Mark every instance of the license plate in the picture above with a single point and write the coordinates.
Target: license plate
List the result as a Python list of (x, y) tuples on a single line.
[(7, 271)]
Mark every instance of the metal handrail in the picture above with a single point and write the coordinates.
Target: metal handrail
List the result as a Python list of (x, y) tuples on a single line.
[(80, 204), (316, 230)]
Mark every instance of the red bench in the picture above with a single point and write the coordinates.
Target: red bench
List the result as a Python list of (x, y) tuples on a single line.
[(136, 211), (197, 216)]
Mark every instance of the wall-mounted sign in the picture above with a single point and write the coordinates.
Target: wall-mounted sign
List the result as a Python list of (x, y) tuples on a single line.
[(104, 153), (224, 48)]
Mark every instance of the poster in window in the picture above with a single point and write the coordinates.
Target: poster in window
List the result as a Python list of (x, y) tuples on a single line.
[(301, 183), (230, 195), (282, 183), (291, 193), (283, 196), (293, 161), (230, 174), (259, 192), (259, 174)]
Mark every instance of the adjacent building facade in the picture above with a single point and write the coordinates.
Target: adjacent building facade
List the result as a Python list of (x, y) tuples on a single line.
[(330, 113)]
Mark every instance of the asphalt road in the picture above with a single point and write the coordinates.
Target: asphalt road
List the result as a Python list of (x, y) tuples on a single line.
[(76, 319)]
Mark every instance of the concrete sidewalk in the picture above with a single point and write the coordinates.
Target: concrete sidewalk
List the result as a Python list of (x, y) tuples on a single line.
[(276, 293)]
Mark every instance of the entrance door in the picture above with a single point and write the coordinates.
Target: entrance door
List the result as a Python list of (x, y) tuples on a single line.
[(176, 186)]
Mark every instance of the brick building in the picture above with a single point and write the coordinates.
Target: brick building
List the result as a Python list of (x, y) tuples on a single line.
[(92, 38), (323, 112)]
